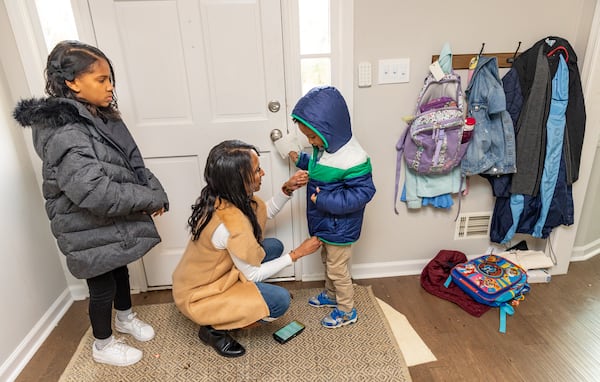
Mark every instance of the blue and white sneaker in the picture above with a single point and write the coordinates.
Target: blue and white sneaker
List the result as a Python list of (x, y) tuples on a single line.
[(338, 318), (322, 300)]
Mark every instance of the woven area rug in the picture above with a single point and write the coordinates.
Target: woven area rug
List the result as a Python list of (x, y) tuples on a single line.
[(364, 351)]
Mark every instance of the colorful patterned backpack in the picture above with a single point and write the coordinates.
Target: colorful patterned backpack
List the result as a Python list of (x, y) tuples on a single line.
[(492, 280)]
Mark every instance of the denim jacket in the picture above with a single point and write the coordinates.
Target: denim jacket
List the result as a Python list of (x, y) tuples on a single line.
[(492, 146)]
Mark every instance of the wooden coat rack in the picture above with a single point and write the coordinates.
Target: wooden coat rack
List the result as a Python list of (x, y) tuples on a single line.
[(461, 61)]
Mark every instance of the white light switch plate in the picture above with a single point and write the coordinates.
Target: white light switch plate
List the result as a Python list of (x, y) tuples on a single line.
[(364, 74), (394, 71)]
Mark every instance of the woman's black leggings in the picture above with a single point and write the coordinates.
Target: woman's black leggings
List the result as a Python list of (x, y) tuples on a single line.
[(105, 289)]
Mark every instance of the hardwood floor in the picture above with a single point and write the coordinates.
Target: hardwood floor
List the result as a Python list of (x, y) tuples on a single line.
[(554, 334)]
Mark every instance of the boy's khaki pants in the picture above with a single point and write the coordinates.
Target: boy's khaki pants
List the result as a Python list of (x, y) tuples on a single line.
[(338, 281)]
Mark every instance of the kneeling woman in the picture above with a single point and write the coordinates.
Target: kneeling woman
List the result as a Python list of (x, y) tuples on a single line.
[(217, 283)]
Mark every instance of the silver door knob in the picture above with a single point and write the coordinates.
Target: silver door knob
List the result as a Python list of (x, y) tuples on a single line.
[(276, 135), (274, 106)]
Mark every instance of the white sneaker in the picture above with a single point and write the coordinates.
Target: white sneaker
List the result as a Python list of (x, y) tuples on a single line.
[(116, 353), (140, 330)]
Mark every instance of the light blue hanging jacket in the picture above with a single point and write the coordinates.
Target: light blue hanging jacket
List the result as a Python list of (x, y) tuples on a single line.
[(555, 130)]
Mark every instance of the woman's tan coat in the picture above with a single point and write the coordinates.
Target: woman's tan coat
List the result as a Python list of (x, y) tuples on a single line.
[(207, 287)]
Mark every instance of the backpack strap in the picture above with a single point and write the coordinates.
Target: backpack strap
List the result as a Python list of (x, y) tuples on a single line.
[(448, 281), (505, 309), (400, 150), (460, 194), (459, 91)]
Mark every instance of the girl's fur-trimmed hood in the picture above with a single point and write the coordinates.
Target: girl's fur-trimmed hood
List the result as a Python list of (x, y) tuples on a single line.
[(47, 112)]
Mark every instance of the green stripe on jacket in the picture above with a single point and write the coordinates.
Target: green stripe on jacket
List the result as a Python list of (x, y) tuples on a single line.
[(331, 174)]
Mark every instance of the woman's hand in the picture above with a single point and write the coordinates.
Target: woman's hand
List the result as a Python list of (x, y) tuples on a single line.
[(298, 180), (307, 247)]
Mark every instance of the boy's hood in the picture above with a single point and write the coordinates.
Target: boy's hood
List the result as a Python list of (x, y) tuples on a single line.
[(49, 112), (324, 110)]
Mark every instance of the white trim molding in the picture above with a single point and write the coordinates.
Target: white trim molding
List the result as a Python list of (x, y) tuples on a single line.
[(378, 270), (342, 38), (587, 251)]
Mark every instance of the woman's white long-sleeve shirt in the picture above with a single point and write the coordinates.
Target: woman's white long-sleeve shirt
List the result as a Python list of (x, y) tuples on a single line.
[(265, 270)]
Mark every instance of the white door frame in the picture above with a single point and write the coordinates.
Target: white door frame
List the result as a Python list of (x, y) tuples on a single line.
[(342, 45)]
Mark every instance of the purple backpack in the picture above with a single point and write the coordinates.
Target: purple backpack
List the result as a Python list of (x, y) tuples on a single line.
[(432, 142)]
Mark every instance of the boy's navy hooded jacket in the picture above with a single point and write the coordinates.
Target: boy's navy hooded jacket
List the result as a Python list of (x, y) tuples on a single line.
[(341, 169)]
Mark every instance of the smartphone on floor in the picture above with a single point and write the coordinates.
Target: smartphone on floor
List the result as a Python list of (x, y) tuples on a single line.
[(288, 332)]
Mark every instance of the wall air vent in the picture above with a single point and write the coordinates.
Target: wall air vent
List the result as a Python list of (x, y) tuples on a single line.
[(473, 225)]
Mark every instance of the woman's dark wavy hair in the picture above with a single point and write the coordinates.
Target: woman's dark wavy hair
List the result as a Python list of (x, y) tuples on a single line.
[(70, 59), (228, 175)]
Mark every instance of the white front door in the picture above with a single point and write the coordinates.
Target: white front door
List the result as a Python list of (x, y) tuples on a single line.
[(190, 74)]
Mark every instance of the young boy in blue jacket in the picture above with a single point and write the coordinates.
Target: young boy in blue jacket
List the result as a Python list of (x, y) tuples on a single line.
[(339, 187)]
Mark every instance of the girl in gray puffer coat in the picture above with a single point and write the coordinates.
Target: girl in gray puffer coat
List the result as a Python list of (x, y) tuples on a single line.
[(100, 197)]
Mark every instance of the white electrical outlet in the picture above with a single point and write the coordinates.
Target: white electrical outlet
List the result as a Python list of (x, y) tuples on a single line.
[(364, 74), (394, 71)]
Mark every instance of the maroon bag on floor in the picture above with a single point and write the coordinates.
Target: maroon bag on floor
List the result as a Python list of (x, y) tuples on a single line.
[(435, 274)]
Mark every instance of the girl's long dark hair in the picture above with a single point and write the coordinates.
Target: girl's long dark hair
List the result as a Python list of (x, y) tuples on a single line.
[(228, 175), (68, 60)]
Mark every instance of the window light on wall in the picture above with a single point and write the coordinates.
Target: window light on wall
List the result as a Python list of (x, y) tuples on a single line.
[(57, 21), (315, 43)]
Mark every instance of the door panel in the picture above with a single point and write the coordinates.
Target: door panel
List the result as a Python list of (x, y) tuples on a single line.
[(190, 74), (182, 172)]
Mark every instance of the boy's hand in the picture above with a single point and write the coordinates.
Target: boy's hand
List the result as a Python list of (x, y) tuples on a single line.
[(313, 197), (293, 156)]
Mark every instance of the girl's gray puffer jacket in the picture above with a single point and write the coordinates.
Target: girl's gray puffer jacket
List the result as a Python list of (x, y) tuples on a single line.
[(99, 209)]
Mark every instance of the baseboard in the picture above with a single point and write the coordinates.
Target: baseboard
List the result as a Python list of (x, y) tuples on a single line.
[(19, 358), (585, 252), (415, 267), (388, 269), (378, 270)]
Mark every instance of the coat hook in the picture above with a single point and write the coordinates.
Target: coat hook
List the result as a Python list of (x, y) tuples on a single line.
[(481, 51), (512, 59)]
